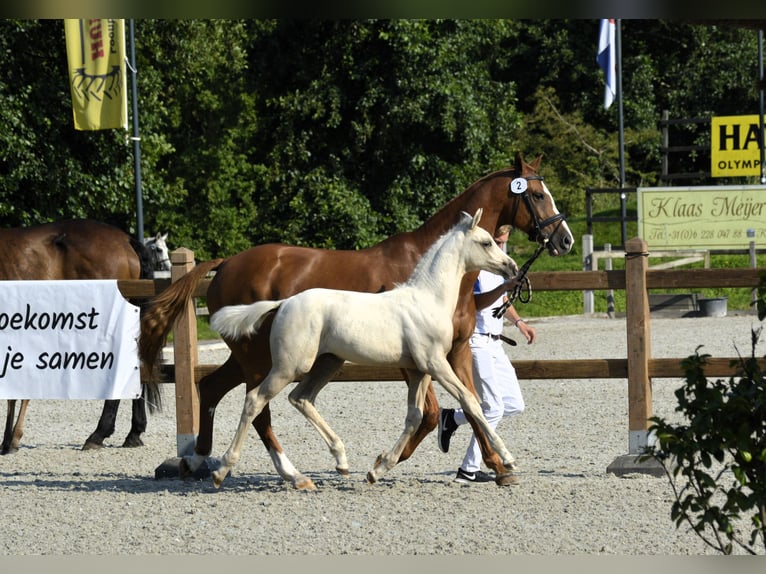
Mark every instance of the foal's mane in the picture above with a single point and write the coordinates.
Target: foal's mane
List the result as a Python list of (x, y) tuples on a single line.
[(423, 270)]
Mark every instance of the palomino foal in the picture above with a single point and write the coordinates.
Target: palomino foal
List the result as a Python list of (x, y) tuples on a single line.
[(315, 331)]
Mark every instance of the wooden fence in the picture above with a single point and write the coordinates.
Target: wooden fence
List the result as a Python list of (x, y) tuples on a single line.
[(638, 367)]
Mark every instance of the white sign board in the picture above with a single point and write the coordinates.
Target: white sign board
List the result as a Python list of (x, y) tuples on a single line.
[(68, 340)]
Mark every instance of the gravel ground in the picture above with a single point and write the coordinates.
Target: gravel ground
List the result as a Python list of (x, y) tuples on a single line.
[(58, 500)]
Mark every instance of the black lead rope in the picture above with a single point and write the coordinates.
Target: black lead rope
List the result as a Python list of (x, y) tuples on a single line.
[(522, 283)]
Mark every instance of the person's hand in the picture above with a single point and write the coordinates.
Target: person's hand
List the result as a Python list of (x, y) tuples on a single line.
[(529, 332)]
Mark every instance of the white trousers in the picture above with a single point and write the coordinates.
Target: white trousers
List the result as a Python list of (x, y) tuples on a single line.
[(500, 394)]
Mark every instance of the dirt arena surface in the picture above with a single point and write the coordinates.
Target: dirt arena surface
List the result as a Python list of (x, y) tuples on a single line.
[(108, 502)]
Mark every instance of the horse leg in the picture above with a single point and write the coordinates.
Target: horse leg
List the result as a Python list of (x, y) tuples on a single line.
[(137, 423), (447, 378), (10, 415), (255, 400), (416, 396), (461, 360), (14, 432), (303, 397), (212, 389), (105, 426)]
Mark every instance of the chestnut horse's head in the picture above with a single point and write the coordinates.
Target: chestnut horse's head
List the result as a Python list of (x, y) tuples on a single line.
[(534, 209)]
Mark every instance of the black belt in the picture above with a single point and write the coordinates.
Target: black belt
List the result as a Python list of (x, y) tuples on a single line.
[(499, 338), (491, 336)]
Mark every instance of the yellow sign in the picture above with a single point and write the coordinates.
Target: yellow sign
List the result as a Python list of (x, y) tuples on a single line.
[(734, 146), (717, 217), (96, 55)]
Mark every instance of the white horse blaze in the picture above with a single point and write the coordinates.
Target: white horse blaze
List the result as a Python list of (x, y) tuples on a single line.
[(315, 331)]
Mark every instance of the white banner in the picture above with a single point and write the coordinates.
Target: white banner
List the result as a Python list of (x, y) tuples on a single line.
[(68, 340)]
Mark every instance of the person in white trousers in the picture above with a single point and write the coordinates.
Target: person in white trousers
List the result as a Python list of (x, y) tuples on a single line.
[(494, 376)]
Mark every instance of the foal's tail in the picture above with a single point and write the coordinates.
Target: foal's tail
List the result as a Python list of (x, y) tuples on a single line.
[(160, 314), (240, 321)]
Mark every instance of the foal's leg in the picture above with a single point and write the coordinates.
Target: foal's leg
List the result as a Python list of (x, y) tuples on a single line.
[(416, 394), (461, 360), (303, 396), (428, 424), (212, 388), (255, 400), (443, 373)]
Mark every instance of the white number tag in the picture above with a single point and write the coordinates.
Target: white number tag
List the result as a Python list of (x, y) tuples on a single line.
[(519, 185)]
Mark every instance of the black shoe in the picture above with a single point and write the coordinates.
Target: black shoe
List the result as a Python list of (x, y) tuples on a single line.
[(471, 477), (447, 427)]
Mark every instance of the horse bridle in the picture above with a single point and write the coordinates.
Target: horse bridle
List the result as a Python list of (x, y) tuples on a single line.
[(542, 240), (156, 257), (539, 225)]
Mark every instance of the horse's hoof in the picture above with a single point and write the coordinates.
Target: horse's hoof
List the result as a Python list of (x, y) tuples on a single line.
[(506, 479), (132, 441), (184, 470), (371, 477), (9, 450), (343, 472), (218, 479), (93, 446)]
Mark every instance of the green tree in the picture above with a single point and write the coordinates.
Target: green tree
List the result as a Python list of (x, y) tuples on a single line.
[(716, 458)]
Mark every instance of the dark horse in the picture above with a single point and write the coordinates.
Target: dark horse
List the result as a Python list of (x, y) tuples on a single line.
[(77, 249), (275, 271)]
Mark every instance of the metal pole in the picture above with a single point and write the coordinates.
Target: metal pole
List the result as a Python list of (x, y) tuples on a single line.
[(618, 54), (136, 139), (761, 111)]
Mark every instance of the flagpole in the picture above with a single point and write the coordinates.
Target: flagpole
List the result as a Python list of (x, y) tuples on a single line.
[(762, 87), (136, 139), (621, 127)]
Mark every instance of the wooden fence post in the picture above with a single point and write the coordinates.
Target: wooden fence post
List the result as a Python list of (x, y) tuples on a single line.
[(186, 359), (639, 355)]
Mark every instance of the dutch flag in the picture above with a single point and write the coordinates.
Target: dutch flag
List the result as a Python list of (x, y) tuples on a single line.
[(607, 61)]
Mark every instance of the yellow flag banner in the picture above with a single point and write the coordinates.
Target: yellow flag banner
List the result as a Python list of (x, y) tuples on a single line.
[(96, 56)]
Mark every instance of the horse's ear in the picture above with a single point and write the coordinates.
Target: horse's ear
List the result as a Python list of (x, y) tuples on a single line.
[(476, 218), (535, 164), (519, 161)]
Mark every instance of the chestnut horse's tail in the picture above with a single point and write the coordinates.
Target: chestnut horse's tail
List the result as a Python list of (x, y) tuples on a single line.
[(162, 311)]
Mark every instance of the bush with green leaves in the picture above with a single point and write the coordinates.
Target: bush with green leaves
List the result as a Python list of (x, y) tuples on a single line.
[(716, 459)]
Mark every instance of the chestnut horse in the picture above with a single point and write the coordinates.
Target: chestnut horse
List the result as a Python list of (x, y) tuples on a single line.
[(515, 195), (79, 249)]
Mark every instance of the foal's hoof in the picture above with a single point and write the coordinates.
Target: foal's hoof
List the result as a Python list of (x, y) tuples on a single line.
[(92, 445), (218, 477), (305, 484), (507, 479), (342, 471), (371, 479)]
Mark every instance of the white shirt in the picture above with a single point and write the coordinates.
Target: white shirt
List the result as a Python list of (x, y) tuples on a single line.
[(485, 322)]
